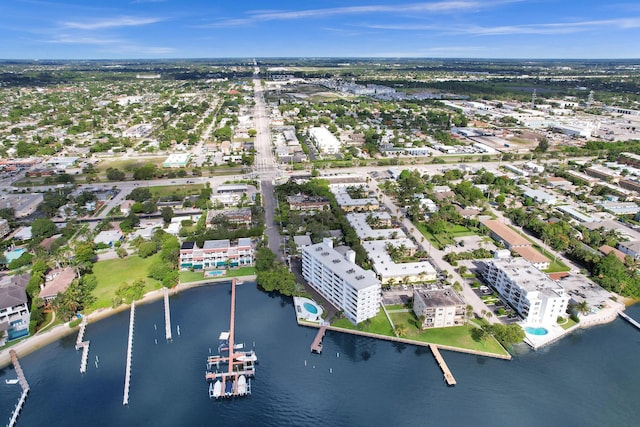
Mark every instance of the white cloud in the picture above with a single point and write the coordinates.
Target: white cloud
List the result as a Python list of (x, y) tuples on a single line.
[(553, 28), (446, 6), (123, 21)]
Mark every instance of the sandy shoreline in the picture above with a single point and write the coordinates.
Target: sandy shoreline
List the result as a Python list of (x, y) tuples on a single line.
[(38, 341)]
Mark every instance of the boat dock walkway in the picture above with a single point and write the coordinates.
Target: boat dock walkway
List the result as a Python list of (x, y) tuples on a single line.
[(448, 376), (316, 345), (167, 314), (629, 319), (84, 345), (25, 388), (127, 377)]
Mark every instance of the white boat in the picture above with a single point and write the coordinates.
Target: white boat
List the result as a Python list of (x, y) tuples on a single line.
[(249, 356), (13, 381), (242, 385), (217, 389)]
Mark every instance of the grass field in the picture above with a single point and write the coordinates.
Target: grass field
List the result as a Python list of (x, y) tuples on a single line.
[(445, 238), (128, 164), (112, 273), (181, 190)]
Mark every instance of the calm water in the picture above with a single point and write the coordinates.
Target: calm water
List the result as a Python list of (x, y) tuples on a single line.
[(589, 379)]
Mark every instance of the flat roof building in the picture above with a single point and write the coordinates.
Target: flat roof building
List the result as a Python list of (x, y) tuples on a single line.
[(536, 297), (216, 254), (326, 142), (438, 308), (388, 270), (177, 160), (343, 283)]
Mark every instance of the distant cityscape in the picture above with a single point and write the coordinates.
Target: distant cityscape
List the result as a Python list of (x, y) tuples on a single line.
[(497, 200)]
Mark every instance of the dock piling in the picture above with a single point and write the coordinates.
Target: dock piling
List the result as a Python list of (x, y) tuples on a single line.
[(23, 383), (167, 315)]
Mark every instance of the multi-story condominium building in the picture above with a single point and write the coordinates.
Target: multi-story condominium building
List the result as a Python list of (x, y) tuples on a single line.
[(438, 308), (216, 254), (346, 285), (302, 202), (538, 299), (326, 142)]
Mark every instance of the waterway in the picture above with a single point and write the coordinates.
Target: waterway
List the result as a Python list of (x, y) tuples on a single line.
[(591, 378)]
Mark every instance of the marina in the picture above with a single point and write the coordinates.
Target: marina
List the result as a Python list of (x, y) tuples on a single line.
[(229, 372)]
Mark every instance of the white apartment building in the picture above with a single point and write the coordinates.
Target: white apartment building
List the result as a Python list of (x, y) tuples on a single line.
[(326, 142), (438, 308), (345, 284), (216, 254), (539, 299)]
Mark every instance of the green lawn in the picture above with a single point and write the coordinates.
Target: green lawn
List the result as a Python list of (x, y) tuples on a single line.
[(457, 336), (181, 190), (126, 165), (114, 272), (445, 238), (187, 276), (568, 323), (377, 325), (556, 267)]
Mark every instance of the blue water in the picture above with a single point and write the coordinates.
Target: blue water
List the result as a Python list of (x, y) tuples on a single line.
[(591, 378), (310, 308), (536, 331)]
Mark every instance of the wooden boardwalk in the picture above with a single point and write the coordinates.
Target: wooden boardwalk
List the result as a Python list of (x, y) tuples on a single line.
[(448, 376), (127, 377), (167, 315), (629, 319), (25, 388), (316, 346)]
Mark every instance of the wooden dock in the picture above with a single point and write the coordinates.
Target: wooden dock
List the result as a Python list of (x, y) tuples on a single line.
[(25, 388), (167, 315), (316, 345), (629, 319), (84, 345), (127, 377), (448, 376)]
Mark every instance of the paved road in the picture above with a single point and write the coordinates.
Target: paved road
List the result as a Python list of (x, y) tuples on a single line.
[(436, 255)]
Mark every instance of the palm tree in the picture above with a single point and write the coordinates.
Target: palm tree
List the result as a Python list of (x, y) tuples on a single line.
[(401, 330), (582, 307)]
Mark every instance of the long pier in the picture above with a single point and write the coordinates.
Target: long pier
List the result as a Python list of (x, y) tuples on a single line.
[(316, 345), (84, 345), (448, 376), (167, 315), (127, 376), (629, 319), (25, 388)]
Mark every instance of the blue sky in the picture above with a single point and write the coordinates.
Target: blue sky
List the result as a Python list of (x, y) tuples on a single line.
[(122, 29)]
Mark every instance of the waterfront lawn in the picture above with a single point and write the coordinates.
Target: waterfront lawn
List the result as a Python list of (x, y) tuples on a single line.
[(196, 276), (111, 273), (187, 276), (376, 325), (568, 322), (455, 336)]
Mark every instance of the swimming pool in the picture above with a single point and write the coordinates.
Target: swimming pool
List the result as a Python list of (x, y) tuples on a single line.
[(536, 331), (310, 308)]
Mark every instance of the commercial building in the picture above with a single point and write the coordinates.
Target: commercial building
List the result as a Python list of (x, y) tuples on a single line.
[(324, 140), (536, 297), (438, 308), (177, 160), (343, 283), (216, 254)]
